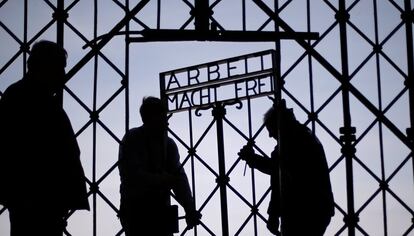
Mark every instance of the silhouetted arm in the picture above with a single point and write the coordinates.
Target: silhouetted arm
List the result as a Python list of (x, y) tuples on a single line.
[(181, 188), (261, 163)]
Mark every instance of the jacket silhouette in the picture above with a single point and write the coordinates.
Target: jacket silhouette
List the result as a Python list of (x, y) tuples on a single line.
[(41, 176), (301, 190), (149, 168)]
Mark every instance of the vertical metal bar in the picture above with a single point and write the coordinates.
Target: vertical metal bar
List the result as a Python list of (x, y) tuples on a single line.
[(202, 12), (347, 131), (312, 102), (163, 97), (158, 14), (278, 85), (378, 69), (244, 14), (410, 67), (125, 80), (249, 114), (192, 153), (60, 23), (98, 46), (276, 60), (219, 112), (25, 46), (94, 117)]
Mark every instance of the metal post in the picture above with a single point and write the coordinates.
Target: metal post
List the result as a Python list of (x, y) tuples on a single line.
[(202, 14), (60, 17), (125, 80), (347, 131), (409, 82), (219, 112)]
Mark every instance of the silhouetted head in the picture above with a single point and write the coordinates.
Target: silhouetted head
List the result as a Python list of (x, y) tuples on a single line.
[(271, 117), (153, 114), (46, 64)]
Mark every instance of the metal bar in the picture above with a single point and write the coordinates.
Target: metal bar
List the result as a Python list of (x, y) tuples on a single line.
[(153, 35), (95, 186), (106, 39), (409, 83), (221, 81), (25, 37), (202, 15), (380, 130), (311, 50), (125, 79), (219, 112), (60, 23), (347, 130), (312, 115), (222, 61)]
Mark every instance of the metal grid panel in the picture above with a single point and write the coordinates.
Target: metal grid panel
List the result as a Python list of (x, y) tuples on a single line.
[(361, 67)]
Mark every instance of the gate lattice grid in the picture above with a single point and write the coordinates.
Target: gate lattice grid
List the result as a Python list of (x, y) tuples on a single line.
[(361, 66)]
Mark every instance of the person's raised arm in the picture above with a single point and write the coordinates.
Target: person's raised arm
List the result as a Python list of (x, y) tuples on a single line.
[(261, 163)]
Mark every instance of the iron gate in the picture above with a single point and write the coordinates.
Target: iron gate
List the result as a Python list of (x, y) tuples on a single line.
[(352, 83)]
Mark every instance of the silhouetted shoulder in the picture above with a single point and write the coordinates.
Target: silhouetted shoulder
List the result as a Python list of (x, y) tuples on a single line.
[(14, 89), (133, 132)]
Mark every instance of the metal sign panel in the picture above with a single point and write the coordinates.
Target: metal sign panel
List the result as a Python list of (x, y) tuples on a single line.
[(231, 79)]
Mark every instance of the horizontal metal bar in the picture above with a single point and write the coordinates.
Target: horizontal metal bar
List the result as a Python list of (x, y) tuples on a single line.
[(222, 61), (153, 35)]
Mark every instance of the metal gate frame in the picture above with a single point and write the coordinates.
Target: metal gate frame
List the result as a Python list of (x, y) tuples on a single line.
[(206, 28)]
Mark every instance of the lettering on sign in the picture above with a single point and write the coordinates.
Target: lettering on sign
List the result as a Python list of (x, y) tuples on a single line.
[(235, 78)]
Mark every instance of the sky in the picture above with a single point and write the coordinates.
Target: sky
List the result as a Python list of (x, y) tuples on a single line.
[(380, 85)]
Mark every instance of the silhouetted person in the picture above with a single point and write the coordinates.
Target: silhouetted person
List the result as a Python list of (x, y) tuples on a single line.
[(301, 189), (149, 168), (41, 177)]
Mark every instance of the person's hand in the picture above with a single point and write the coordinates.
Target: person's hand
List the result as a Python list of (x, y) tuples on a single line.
[(273, 225), (246, 153), (192, 218)]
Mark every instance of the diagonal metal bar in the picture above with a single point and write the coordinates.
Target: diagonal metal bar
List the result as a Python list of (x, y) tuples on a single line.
[(96, 48), (84, 127), (8, 63), (81, 36), (280, 9), (204, 134), (210, 196), (110, 99), (409, 230), (399, 200), (336, 75), (2, 25), (77, 99), (178, 138), (108, 131), (2, 3), (107, 173), (108, 202)]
